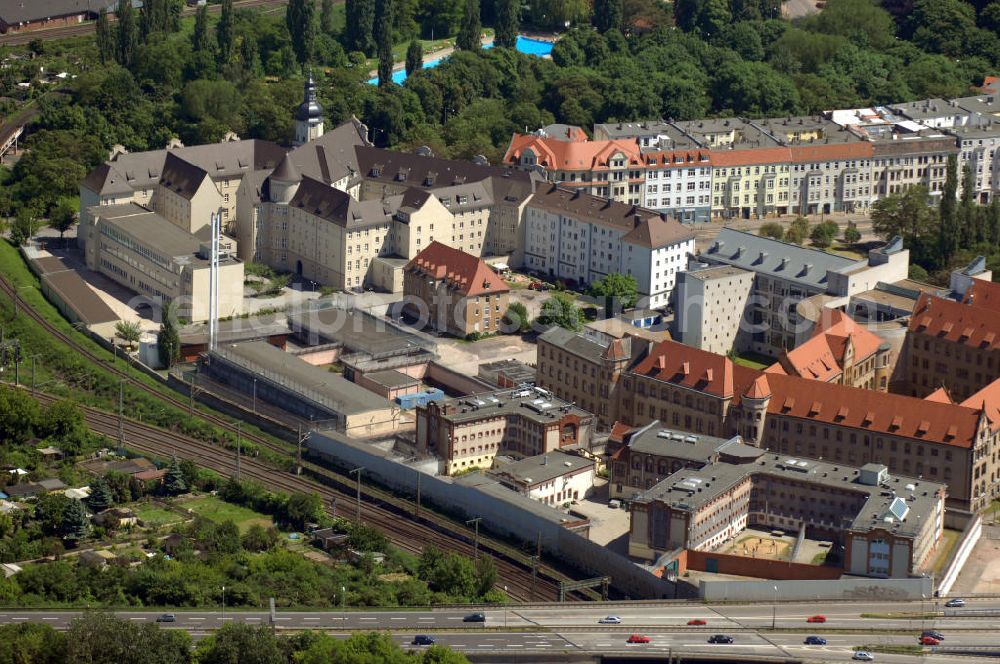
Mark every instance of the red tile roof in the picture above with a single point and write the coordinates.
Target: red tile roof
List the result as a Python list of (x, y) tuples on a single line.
[(877, 412), (940, 395), (822, 356), (618, 431), (990, 83), (759, 389), (464, 272), (988, 400), (984, 294), (697, 369), (831, 151), (556, 154), (973, 326), (751, 157)]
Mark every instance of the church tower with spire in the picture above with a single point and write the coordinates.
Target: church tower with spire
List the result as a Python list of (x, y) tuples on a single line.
[(308, 116)]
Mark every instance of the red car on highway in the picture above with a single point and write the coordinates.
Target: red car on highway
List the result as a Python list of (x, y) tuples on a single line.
[(929, 641), (697, 621), (816, 619), (638, 638)]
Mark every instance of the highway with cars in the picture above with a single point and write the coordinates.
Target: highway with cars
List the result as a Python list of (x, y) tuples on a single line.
[(664, 626)]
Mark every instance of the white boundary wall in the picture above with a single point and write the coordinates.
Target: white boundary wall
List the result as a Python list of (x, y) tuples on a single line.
[(969, 538)]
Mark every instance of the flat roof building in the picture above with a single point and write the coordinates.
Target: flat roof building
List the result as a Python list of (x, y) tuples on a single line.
[(553, 478)]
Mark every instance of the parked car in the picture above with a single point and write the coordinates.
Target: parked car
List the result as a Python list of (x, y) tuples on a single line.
[(423, 640), (934, 634), (638, 638), (475, 617), (697, 621), (863, 656), (720, 638), (610, 620), (815, 641), (166, 617), (929, 641), (816, 619), (955, 603)]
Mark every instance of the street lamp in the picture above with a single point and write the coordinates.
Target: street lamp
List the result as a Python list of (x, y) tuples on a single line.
[(774, 607), (343, 603), (254, 396), (505, 608), (223, 603)]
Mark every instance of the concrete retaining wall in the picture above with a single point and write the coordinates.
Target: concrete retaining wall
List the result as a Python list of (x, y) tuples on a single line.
[(971, 535), (706, 561), (846, 589), (321, 356), (503, 512)]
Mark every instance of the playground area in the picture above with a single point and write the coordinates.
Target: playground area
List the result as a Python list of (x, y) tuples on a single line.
[(757, 544)]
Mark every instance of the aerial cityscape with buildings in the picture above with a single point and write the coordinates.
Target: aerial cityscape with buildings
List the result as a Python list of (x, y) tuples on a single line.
[(632, 331)]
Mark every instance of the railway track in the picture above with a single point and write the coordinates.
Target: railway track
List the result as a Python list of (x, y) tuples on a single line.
[(514, 571), (88, 27)]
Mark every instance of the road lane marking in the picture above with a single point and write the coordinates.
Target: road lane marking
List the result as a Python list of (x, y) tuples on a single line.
[(195, 618), (397, 618)]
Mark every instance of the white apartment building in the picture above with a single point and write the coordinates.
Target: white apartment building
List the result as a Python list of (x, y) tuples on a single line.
[(577, 237), (714, 300)]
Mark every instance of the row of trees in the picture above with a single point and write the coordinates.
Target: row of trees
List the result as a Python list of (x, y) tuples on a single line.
[(100, 638)]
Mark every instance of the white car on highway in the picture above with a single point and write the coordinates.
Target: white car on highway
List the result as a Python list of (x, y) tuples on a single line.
[(610, 620), (863, 656)]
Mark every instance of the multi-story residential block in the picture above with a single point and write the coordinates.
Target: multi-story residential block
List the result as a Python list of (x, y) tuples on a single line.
[(954, 345), (144, 252), (454, 291), (585, 368), (469, 432), (581, 238), (787, 274), (639, 457), (714, 301), (889, 525)]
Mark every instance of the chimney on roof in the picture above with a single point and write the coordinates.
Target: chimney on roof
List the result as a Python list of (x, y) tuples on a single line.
[(636, 219)]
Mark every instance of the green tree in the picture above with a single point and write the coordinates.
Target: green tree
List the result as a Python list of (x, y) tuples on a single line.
[(200, 41), (128, 33), (129, 332), (62, 218), (905, 214), (102, 638), (508, 23), (562, 311), (714, 18), (303, 508), (851, 234), (686, 14), (486, 575), (772, 229), (383, 39), (62, 420), (259, 538), (250, 57), (224, 32), (948, 236), (107, 39), (19, 416), (469, 35), (823, 234), (75, 524), (966, 209), (168, 342), (798, 231), (238, 643), (301, 20), (359, 32), (25, 226), (620, 291), (608, 15), (516, 318), (174, 482), (100, 497), (414, 57), (326, 17), (31, 643)]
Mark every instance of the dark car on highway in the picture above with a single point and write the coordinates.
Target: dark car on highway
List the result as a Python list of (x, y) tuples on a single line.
[(423, 640), (167, 617), (815, 641), (720, 638), (475, 617)]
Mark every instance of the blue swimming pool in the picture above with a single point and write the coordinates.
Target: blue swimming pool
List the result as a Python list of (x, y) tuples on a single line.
[(524, 45)]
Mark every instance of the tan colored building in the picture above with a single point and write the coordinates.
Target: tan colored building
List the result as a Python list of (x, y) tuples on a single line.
[(714, 300), (147, 254), (469, 432), (953, 345), (585, 369), (455, 291)]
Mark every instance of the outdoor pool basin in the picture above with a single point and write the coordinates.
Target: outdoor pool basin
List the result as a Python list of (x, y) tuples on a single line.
[(524, 45)]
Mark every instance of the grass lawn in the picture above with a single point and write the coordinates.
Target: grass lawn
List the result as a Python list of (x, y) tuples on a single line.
[(154, 515), (219, 510), (949, 540), (753, 360), (846, 252)]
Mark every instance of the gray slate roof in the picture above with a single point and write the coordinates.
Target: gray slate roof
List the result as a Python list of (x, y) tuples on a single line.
[(585, 346), (807, 267), (24, 11), (542, 468)]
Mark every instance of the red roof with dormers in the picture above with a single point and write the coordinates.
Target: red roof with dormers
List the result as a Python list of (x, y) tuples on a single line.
[(984, 294), (697, 369), (469, 275), (678, 158), (970, 325), (810, 152), (722, 157), (556, 154), (988, 400), (877, 412), (821, 357)]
